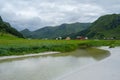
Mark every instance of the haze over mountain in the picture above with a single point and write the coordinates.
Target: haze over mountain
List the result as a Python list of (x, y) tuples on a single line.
[(105, 27), (25, 32), (5, 28), (36, 14)]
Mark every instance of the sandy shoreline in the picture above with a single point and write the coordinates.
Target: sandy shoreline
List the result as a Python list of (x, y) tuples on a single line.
[(27, 55)]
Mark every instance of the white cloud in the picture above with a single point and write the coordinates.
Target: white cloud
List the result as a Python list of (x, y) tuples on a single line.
[(34, 14)]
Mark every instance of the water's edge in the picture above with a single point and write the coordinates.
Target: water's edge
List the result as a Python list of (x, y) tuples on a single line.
[(106, 69), (49, 65), (27, 55), (34, 54)]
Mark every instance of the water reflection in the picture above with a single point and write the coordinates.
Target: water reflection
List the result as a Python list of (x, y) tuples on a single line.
[(48, 67)]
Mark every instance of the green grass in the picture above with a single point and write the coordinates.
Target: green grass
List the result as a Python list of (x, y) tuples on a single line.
[(10, 45)]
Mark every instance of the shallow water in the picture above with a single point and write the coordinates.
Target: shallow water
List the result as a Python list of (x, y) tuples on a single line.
[(107, 69), (48, 67)]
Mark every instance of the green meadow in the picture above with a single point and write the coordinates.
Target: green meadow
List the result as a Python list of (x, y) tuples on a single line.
[(10, 45)]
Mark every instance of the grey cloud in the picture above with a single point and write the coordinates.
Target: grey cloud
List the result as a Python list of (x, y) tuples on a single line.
[(35, 14)]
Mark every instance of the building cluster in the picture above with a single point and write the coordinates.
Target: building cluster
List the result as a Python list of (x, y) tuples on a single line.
[(69, 38), (81, 38)]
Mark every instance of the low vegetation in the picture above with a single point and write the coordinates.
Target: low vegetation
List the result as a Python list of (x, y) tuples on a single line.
[(10, 45)]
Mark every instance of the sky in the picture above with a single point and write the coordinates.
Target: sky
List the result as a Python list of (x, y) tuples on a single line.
[(35, 14)]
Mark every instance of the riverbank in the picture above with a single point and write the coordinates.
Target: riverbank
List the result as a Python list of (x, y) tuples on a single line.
[(107, 69), (95, 52), (27, 55), (12, 47)]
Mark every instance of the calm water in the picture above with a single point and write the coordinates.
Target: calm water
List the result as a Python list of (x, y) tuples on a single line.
[(48, 67), (107, 69)]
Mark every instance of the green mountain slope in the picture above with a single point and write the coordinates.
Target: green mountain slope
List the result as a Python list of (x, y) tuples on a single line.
[(5, 28), (105, 27), (26, 32), (56, 31)]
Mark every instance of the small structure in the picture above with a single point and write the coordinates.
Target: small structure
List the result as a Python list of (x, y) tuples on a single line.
[(67, 38), (58, 38), (86, 38), (81, 38)]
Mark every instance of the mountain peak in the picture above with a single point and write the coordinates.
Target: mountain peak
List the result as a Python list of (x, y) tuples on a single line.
[(51, 32), (24, 30)]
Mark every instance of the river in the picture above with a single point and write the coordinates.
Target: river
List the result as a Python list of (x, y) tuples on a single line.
[(107, 69), (59, 66)]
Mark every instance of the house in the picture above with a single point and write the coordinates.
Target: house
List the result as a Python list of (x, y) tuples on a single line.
[(59, 38), (81, 38), (67, 38)]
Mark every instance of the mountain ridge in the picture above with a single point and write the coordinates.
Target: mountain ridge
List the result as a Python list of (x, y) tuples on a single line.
[(57, 31), (105, 27), (5, 27)]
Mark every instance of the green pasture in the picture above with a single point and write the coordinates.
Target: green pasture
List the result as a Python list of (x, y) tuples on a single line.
[(10, 45)]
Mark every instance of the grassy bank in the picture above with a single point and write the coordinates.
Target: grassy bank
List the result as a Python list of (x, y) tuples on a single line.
[(16, 46)]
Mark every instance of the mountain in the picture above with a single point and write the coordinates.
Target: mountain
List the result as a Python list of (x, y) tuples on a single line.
[(51, 32), (6, 28), (25, 32), (105, 27)]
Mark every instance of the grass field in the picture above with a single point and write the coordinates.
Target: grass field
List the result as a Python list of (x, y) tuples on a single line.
[(10, 45)]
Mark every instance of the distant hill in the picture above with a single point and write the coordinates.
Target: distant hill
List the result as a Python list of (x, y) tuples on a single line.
[(51, 32), (25, 32), (105, 27), (5, 28)]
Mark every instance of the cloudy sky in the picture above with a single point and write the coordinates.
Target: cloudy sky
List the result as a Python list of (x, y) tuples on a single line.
[(35, 14)]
